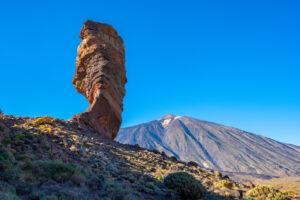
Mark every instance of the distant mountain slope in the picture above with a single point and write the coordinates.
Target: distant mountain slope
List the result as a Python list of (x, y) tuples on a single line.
[(215, 146)]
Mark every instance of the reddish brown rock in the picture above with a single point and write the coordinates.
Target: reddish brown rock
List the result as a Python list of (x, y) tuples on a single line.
[(101, 77)]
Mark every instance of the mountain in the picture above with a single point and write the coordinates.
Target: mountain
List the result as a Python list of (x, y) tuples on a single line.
[(215, 146)]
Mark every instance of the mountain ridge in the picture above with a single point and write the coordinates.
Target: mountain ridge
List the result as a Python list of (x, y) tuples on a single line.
[(215, 146)]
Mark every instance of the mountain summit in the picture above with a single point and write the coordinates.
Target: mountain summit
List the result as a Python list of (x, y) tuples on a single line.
[(215, 146)]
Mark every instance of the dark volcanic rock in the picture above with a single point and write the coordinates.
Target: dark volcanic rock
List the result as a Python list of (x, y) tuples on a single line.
[(101, 77)]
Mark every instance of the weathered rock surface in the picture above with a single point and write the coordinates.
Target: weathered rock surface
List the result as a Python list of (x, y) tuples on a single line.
[(101, 77)]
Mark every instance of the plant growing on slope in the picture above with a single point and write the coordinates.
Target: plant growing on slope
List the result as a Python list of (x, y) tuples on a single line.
[(264, 192), (225, 184), (43, 120), (185, 185)]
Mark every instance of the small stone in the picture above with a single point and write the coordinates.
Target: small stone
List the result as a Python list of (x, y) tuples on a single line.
[(153, 170), (164, 154), (18, 142), (226, 177), (192, 164), (218, 174), (173, 158), (156, 151)]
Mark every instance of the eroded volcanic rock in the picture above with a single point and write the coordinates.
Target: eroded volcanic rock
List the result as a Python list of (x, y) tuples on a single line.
[(101, 77)]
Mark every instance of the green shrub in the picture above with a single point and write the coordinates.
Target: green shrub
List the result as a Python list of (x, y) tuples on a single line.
[(7, 188), (159, 178), (225, 184), (43, 120), (56, 170), (21, 136), (11, 174), (49, 197), (264, 192), (8, 196), (289, 193), (24, 156), (185, 185), (1, 112), (6, 141), (6, 160)]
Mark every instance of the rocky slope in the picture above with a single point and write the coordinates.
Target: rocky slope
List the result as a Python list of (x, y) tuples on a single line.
[(215, 146), (46, 158)]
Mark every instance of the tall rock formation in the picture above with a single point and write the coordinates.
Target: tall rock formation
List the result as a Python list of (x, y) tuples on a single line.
[(101, 77)]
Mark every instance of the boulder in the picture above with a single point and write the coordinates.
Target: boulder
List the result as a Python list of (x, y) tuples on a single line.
[(101, 77)]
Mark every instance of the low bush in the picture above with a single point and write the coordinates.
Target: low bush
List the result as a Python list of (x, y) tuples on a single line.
[(56, 170), (25, 156), (264, 192), (6, 160), (49, 197), (6, 141), (43, 120), (8, 196), (7, 188), (12, 174), (21, 136), (225, 184), (185, 185), (289, 193)]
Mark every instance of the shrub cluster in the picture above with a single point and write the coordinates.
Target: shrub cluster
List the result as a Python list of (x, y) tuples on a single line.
[(8, 192), (43, 120), (264, 192), (225, 184), (55, 180), (289, 193), (185, 185)]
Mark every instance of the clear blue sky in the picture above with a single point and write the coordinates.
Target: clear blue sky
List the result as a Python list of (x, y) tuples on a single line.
[(231, 62)]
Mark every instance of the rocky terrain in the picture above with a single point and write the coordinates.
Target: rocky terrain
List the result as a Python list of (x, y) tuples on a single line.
[(51, 159), (47, 158), (215, 146), (101, 77)]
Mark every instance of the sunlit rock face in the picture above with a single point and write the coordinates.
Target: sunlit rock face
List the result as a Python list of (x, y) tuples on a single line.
[(101, 77)]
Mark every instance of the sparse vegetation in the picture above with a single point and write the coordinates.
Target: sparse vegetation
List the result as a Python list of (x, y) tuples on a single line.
[(266, 193), (43, 120), (21, 136), (289, 193), (8, 196), (25, 156), (6, 161), (225, 184), (6, 141), (8, 192), (185, 185), (46, 158)]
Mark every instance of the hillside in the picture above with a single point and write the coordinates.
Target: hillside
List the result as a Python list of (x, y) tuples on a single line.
[(215, 146), (46, 158)]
